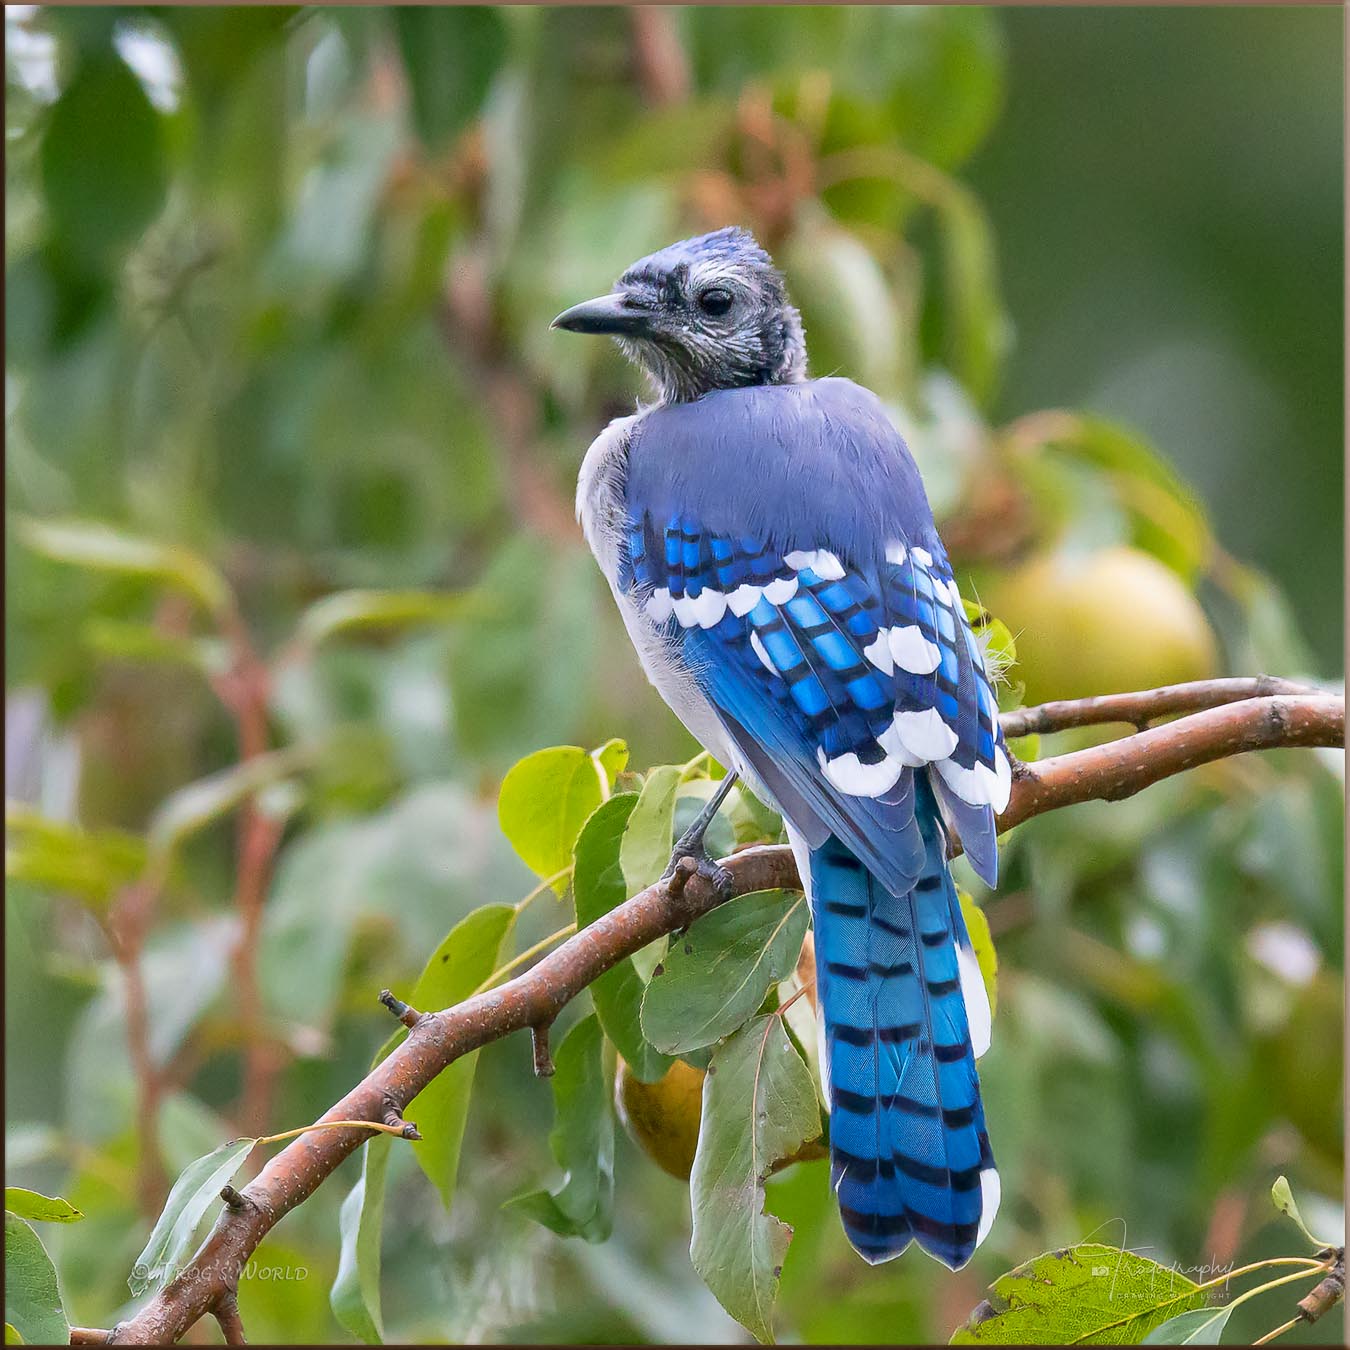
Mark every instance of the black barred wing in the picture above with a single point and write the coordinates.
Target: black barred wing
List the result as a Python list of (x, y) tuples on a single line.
[(850, 676)]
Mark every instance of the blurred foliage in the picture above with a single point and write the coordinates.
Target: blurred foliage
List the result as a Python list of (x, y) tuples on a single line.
[(281, 398)]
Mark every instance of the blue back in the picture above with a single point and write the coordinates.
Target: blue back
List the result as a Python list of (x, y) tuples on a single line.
[(779, 538)]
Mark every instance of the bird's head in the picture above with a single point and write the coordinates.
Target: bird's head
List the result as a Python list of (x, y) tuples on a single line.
[(706, 313)]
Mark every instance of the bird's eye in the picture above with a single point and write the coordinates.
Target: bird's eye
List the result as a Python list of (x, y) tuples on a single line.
[(715, 300)]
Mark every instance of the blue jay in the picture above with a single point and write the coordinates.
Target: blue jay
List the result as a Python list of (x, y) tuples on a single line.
[(774, 557)]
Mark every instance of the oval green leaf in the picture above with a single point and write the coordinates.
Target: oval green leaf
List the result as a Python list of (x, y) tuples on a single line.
[(715, 977), (582, 1141), (32, 1296), (103, 548), (45, 1208), (1200, 1326), (196, 1189), (759, 1105), (355, 1295), (545, 800), (1085, 1295), (471, 951)]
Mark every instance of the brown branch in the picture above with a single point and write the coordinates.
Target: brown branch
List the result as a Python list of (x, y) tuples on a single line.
[(659, 61), (535, 997), (89, 1336), (226, 1310), (1122, 768), (1138, 710), (127, 926), (243, 691)]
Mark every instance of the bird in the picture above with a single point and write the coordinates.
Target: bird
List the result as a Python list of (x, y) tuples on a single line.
[(773, 555)]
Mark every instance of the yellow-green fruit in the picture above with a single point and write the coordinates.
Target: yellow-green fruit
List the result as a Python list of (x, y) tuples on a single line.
[(1101, 623), (662, 1117)]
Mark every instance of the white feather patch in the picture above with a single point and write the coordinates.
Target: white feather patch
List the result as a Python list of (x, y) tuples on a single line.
[(1002, 781), (991, 1192), (658, 605), (763, 655), (922, 557), (895, 553), (976, 785), (684, 612), (709, 608), (743, 599), (800, 558), (849, 774), (878, 652), (924, 735), (913, 652), (955, 594), (780, 591), (827, 566), (979, 1018)]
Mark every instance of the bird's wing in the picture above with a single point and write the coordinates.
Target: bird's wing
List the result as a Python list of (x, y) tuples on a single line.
[(845, 675)]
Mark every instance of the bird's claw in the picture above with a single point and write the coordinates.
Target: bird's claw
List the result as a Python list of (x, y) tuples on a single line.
[(692, 859)]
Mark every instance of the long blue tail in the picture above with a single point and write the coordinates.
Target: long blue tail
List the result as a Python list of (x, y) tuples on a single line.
[(910, 1154)]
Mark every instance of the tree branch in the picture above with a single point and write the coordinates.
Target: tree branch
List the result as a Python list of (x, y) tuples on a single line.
[(1138, 710), (534, 998)]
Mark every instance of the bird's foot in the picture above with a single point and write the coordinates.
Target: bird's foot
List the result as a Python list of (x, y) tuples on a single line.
[(690, 858)]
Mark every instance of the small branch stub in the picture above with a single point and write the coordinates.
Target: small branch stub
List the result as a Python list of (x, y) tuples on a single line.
[(405, 1013), (393, 1117), (543, 1059), (235, 1201)]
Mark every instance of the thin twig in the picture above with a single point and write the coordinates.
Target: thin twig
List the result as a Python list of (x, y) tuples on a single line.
[(1140, 709), (538, 995)]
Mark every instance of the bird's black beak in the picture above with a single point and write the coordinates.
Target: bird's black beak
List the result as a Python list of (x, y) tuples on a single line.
[(616, 313)]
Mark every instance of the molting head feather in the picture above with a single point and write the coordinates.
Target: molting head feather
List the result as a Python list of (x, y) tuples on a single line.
[(706, 313)]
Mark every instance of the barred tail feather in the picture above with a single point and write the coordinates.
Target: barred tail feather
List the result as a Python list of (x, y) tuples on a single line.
[(910, 1153)]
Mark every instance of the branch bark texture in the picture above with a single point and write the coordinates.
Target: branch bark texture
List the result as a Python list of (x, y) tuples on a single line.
[(533, 999)]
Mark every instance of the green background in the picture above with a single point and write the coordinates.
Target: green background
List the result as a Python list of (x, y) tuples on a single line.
[(281, 298)]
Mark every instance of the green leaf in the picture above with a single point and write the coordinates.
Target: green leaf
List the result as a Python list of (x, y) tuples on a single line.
[(355, 1295), (471, 951), (718, 973), (582, 1141), (978, 332), (359, 611), (451, 54), (102, 164), (1200, 1326), (197, 1188), (759, 1105), (847, 305), (1090, 1294), (644, 852), (1166, 518), (545, 800), (46, 1208), (977, 928), (32, 1296), (101, 547), (12, 1336), (598, 886), (611, 758), (140, 642), (92, 865), (197, 805), (1283, 1197)]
